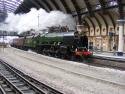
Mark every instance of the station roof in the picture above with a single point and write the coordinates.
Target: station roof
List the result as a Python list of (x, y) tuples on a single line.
[(73, 7), (102, 11), (9, 5)]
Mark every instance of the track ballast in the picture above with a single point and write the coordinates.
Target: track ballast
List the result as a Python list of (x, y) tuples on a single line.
[(13, 81)]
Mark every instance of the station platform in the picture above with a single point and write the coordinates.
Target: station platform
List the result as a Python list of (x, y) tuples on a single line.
[(109, 54), (69, 77)]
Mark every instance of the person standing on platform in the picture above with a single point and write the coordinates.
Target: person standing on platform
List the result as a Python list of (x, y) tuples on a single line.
[(114, 50), (84, 41), (76, 40)]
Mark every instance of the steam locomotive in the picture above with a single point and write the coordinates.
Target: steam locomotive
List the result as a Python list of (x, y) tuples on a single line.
[(56, 44)]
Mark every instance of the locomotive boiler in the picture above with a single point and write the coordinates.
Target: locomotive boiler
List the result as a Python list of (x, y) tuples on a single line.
[(57, 44)]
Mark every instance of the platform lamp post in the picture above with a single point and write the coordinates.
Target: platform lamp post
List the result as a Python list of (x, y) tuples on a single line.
[(121, 37), (3, 41), (38, 21)]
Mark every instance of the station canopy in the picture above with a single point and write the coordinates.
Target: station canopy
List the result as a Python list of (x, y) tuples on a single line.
[(70, 6), (9, 5), (94, 13)]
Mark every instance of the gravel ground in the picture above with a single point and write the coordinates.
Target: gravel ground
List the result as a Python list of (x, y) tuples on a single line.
[(67, 76)]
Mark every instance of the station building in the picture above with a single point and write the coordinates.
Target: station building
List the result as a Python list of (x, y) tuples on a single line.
[(99, 18)]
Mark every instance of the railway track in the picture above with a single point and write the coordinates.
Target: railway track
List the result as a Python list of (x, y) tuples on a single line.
[(12, 81), (116, 85), (107, 61)]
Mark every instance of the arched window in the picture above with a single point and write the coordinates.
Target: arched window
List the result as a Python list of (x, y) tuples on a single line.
[(103, 29), (97, 30), (111, 29)]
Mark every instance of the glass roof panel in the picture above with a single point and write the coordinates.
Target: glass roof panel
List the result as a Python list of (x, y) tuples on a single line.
[(9, 5)]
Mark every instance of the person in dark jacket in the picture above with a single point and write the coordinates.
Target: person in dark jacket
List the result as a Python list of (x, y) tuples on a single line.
[(114, 50), (84, 41), (76, 40)]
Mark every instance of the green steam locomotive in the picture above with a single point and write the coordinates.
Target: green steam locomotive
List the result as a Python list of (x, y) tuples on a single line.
[(56, 44)]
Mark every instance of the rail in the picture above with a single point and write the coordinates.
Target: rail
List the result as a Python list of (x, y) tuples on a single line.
[(12, 81)]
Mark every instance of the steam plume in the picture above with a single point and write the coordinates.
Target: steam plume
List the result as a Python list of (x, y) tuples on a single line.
[(24, 22)]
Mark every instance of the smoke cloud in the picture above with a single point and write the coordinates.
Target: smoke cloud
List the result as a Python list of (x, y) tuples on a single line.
[(37, 20)]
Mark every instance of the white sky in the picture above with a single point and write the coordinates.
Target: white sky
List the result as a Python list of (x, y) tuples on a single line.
[(7, 39)]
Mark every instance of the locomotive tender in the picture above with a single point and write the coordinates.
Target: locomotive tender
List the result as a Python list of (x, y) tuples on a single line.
[(57, 44)]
